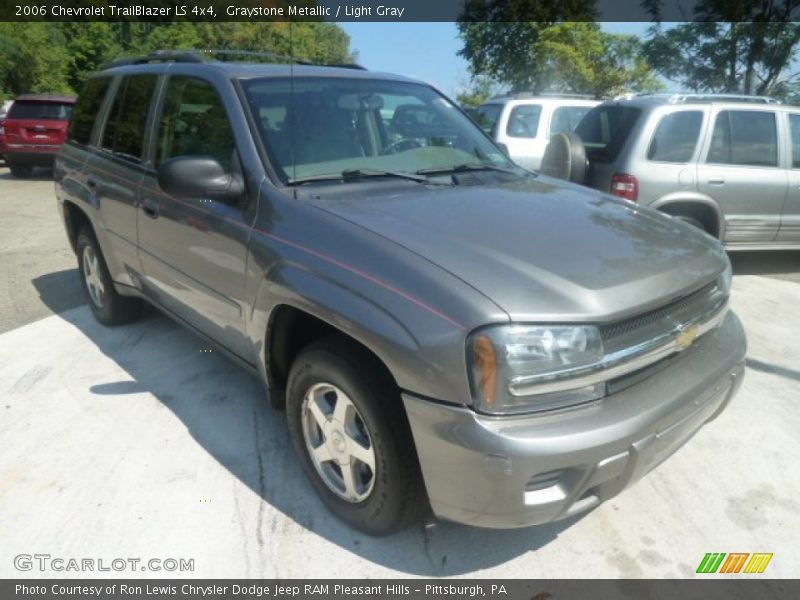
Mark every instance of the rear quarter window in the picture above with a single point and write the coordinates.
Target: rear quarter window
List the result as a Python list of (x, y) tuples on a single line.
[(675, 138), (605, 129), (487, 116), (86, 110), (566, 118), (523, 122)]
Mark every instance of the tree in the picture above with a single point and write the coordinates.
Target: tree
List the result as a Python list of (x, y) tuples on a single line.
[(575, 57), (735, 47), (480, 90), (502, 36), (32, 59), (58, 57)]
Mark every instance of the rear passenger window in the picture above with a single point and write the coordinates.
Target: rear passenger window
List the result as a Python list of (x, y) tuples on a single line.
[(794, 126), (194, 122), (744, 137), (676, 137), (566, 118), (89, 101), (124, 132), (524, 121)]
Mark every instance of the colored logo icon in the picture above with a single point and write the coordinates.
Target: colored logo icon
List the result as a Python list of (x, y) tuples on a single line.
[(736, 562)]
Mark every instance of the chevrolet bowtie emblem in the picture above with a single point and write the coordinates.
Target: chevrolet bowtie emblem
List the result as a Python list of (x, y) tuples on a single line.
[(687, 337)]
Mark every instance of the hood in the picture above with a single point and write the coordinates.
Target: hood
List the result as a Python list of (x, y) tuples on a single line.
[(540, 249)]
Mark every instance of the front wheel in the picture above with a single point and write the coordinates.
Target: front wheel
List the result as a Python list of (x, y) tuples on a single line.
[(348, 426)]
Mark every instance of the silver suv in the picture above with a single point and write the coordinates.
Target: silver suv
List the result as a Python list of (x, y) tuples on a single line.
[(727, 164), (523, 123)]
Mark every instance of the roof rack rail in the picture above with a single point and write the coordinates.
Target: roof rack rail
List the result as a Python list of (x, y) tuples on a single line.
[(521, 95), (186, 56), (676, 98), (355, 66), (197, 56)]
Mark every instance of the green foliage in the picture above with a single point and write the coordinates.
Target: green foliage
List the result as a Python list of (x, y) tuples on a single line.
[(749, 58), (736, 46), (58, 57), (576, 57), (481, 89), (32, 59)]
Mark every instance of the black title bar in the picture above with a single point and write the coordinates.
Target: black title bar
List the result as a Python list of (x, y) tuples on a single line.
[(395, 10)]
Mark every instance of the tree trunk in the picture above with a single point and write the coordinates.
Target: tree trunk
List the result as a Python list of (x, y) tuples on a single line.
[(732, 59)]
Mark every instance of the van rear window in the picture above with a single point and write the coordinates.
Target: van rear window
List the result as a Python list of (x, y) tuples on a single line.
[(605, 129)]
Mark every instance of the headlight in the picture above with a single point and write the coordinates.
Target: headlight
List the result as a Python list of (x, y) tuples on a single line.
[(509, 362), (724, 279)]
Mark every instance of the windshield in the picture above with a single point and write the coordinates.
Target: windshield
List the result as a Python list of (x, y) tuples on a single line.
[(314, 126), (24, 109)]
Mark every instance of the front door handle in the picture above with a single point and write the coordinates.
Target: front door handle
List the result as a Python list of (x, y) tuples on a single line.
[(716, 181), (150, 208)]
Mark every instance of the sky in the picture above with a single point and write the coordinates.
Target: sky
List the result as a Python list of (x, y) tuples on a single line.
[(427, 51)]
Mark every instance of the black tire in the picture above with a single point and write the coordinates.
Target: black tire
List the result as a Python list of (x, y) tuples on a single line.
[(397, 496), (565, 158), (109, 307), (20, 171), (692, 221)]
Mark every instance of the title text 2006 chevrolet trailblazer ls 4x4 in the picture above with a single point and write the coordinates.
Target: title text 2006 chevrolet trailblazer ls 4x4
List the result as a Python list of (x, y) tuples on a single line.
[(445, 329)]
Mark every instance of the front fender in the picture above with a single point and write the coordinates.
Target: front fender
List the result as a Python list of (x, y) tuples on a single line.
[(426, 357)]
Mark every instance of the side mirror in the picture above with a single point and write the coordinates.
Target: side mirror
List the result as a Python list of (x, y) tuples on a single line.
[(504, 148), (199, 177)]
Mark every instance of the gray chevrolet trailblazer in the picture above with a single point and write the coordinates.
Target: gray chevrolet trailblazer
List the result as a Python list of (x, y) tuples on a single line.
[(445, 330)]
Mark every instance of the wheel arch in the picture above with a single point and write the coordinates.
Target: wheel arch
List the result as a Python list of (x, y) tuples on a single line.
[(75, 219), (698, 206), (296, 307)]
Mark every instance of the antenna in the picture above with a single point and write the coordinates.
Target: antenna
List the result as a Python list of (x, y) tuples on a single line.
[(292, 106)]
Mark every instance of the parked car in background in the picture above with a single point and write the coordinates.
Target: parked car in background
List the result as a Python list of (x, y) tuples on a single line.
[(727, 164), (443, 328), (3, 111), (523, 123), (33, 130)]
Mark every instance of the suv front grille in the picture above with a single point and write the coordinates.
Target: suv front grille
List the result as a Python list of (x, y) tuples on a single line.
[(642, 328)]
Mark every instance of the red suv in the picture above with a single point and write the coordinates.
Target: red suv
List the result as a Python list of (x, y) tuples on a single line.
[(33, 130)]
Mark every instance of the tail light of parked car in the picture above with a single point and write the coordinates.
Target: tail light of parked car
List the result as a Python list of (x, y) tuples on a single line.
[(625, 186)]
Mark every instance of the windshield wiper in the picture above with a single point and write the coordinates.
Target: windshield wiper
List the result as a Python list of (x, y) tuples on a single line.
[(466, 167), (355, 174)]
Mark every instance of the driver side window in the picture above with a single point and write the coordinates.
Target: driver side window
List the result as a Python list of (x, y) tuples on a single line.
[(194, 123)]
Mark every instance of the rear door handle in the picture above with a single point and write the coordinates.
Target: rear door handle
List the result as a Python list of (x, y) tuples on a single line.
[(150, 208), (716, 181)]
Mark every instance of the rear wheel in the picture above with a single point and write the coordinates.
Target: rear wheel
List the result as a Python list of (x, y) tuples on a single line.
[(348, 426), (692, 221), (109, 307), (20, 171)]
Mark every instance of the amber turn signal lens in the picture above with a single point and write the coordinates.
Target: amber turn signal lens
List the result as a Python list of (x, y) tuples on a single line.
[(485, 364)]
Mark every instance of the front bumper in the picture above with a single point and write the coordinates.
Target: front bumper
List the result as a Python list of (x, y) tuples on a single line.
[(508, 472)]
